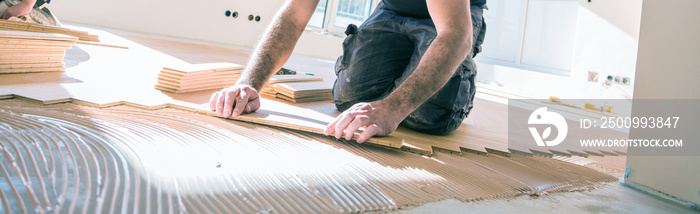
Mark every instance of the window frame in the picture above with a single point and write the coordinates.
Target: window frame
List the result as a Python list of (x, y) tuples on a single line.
[(517, 61), (329, 18)]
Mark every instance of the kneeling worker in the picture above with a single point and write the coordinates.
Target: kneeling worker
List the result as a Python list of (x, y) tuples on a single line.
[(409, 63)]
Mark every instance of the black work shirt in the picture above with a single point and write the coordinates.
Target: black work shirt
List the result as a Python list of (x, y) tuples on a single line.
[(415, 8)]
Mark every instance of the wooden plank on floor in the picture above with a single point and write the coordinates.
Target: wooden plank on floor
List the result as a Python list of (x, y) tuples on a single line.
[(22, 35), (30, 65), (293, 78), (32, 70), (193, 68), (32, 27), (101, 44)]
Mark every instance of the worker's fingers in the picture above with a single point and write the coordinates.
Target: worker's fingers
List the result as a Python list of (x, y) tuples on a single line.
[(241, 103), (229, 98), (370, 131), (229, 101), (359, 121), (5, 15), (334, 125), (343, 123), (220, 103), (253, 100), (253, 104), (330, 127), (213, 100)]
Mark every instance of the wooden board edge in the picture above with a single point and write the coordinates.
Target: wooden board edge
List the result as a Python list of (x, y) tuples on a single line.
[(100, 44)]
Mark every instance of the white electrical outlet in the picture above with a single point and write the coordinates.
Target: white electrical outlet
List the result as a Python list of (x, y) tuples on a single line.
[(626, 80), (593, 76)]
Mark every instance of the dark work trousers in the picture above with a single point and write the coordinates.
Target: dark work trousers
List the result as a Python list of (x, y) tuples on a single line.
[(386, 50)]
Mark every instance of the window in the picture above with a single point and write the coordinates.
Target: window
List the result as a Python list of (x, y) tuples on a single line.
[(534, 35), (333, 16), (319, 15), (352, 12)]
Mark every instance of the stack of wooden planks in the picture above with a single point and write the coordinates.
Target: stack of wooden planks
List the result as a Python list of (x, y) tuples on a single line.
[(269, 89), (198, 77), (31, 27), (305, 92), (298, 88), (24, 52)]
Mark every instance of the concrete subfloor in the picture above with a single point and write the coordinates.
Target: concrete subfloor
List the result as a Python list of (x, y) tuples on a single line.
[(612, 198)]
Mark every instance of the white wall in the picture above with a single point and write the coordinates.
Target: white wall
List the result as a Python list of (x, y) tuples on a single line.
[(668, 63), (198, 20), (605, 42), (668, 67)]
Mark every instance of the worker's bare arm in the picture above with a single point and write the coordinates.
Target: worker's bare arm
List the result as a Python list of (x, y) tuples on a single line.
[(269, 56), (452, 20), (21, 9)]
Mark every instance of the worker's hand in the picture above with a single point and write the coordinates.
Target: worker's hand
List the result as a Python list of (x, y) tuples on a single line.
[(20, 9), (235, 100), (375, 117)]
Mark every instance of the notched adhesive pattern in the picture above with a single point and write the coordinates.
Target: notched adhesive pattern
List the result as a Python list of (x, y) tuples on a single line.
[(77, 159)]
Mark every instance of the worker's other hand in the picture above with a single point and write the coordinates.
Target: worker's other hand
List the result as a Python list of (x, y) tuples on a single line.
[(17, 10), (375, 118), (235, 100)]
